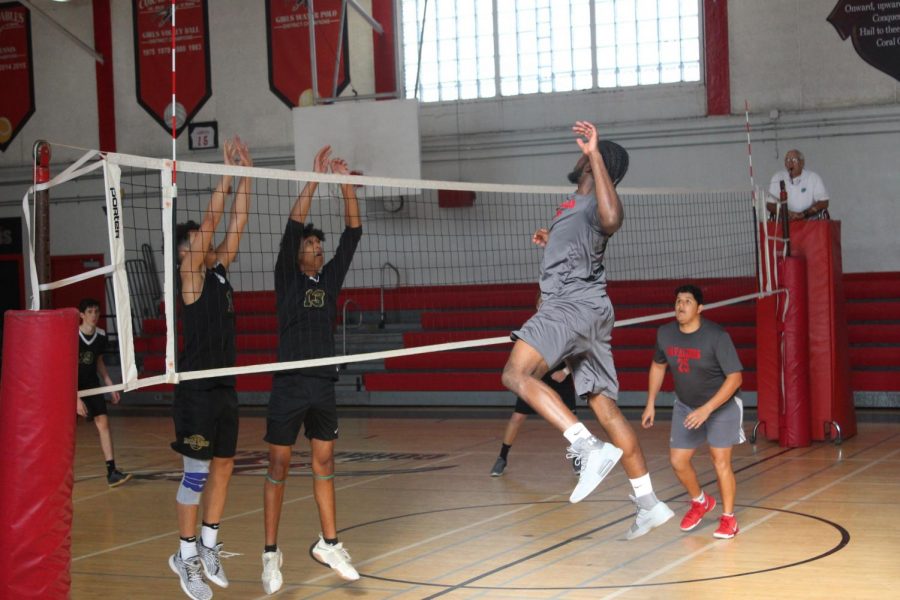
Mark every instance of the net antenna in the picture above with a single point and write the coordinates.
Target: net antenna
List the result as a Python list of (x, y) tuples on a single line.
[(169, 204), (752, 183)]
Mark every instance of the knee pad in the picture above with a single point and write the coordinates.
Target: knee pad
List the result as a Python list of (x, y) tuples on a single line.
[(196, 472)]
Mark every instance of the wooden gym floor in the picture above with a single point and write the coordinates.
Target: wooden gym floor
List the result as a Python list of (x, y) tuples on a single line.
[(423, 519)]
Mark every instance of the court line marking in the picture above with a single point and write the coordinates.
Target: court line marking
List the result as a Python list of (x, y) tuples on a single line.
[(463, 585), (778, 452), (761, 456), (418, 543), (446, 588), (236, 516), (426, 541), (759, 521), (796, 454), (431, 583)]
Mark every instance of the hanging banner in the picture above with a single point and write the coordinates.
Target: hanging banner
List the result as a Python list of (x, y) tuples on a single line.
[(290, 67), (153, 59), (16, 71), (874, 28)]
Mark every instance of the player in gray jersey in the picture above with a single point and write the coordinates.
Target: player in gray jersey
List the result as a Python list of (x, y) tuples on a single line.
[(707, 374), (574, 323)]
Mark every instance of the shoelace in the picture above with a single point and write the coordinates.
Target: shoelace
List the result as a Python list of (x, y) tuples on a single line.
[(271, 564), (194, 570), (575, 456), (215, 559), (344, 554), (339, 551), (697, 509)]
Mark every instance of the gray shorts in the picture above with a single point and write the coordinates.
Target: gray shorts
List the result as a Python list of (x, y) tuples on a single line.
[(723, 429), (579, 331)]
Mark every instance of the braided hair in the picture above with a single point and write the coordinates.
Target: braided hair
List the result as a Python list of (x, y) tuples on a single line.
[(615, 157)]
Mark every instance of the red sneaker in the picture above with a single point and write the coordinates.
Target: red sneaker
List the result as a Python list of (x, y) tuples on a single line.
[(728, 528), (695, 513)]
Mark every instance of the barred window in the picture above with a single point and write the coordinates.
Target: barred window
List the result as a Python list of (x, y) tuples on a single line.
[(461, 49)]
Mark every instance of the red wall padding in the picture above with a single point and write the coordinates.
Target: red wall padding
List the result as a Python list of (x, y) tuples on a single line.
[(37, 431), (794, 430), (829, 353), (768, 365)]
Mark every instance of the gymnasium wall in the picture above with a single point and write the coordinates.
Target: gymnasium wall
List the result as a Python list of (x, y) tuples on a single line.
[(806, 89)]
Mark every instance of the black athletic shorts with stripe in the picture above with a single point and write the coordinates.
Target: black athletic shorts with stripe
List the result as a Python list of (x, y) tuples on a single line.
[(301, 400), (206, 422)]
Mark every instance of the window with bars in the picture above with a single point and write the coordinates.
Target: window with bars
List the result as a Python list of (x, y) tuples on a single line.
[(462, 49)]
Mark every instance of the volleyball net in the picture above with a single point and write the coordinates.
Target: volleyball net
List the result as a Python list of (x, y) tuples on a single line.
[(426, 246)]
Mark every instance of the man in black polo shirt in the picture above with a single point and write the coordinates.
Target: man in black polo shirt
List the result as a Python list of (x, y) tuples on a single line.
[(306, 296), (206, 410)]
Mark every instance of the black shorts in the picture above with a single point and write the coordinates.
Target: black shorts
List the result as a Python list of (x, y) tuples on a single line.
[(301, 400), (96, 406), (206, 422), (566, 391)]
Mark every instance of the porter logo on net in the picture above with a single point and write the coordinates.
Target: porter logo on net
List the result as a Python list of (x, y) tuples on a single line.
[(115, 209), (874, 28)]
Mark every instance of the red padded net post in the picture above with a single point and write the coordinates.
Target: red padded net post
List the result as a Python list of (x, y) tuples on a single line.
[(829, 348), (37, 429), (768, 365), (794, 429)]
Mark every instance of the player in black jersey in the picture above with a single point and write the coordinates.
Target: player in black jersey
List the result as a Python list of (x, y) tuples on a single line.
[(206, 410), (306, 297), (91, 344)]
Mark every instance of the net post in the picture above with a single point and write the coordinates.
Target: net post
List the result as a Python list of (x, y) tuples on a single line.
[(169, 215), (42, 153)]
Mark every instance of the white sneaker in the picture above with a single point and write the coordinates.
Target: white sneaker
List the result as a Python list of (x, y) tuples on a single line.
[(190, 575), (212, 565), (335, 557), (596, 459), (647, 519), (271, 574)]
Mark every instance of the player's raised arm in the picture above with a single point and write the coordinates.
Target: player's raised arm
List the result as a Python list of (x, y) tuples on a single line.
[(348, 191), (301, 204), (240, 208), (200, 244), (609, 207)]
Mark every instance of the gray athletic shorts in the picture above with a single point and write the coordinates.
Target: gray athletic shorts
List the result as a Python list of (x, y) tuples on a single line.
[(579, 331), (723, 429)]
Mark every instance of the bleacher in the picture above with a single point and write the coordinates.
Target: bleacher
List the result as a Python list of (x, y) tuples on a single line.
[(423, 316)]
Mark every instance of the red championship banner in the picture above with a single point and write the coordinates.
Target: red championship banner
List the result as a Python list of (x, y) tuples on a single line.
[(153, 58), (16, 71), (290, 67)]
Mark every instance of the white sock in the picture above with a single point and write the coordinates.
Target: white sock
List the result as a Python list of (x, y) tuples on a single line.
[(642, 485), (701, 497), (209, 536), (188, 549), (577, 432)]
